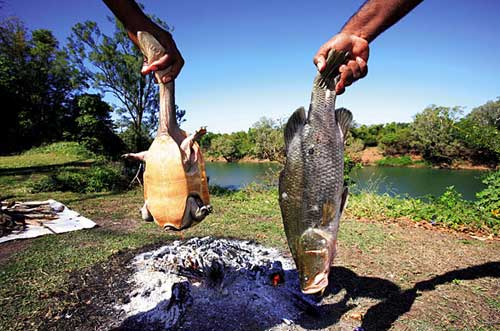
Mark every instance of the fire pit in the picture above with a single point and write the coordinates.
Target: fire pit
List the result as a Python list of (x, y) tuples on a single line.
[(213, 284)]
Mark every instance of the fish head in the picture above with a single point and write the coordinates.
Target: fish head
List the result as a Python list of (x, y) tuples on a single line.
[(315, 253)]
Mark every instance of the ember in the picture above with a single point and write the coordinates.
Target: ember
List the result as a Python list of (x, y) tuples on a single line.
[(206, 283)]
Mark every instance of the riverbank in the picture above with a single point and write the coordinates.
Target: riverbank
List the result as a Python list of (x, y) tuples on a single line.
[(373, 156)]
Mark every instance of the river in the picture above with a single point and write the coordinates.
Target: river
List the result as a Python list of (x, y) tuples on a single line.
[(414, 182)]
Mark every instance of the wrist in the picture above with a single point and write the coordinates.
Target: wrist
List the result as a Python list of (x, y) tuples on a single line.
[(355, 33)]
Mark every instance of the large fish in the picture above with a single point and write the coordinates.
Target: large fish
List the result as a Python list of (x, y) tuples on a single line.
[(312, 194)]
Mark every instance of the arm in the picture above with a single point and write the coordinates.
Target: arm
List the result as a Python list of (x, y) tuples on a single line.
[(373, 18), (134, 20)]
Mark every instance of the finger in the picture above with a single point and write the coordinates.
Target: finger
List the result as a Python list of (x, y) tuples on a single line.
[(320, 63), (174, 71), (339, 88), (320, 58), (162, 63), (346, 75), (356, 70), (363, 67)]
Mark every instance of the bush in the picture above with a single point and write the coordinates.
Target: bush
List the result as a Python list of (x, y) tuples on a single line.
[(489, 198), (449, 210), (400, 161), (98, 178)]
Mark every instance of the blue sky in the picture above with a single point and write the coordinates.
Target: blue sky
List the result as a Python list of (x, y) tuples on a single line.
[(248, 59)]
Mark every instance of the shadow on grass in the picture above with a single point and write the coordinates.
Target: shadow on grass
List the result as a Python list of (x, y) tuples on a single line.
[(45, 168)]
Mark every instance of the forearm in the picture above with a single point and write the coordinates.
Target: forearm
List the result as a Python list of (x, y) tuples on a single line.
[(132, 17), (376, 16)]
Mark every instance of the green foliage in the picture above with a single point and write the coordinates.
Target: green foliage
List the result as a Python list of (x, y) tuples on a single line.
[(97, 178), (396, 138), (489, 198), (263, 141), (448, 210), (367, 133), (91, 125), (268, 137), (399, 161), (436, 134), (480, 133), (349, 165), (227, 146), (36, 82)]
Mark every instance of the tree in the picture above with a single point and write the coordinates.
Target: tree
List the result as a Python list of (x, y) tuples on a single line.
[(269, 142), (480, 133), (226, 146), (436, 134), (90, 123), (112, 66), (396, 138), (37, 82), (487, 114)]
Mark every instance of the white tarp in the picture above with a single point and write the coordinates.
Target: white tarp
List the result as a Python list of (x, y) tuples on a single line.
[(68, 220)]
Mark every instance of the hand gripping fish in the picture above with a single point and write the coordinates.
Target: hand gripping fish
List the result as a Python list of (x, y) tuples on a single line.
[(312, 194), (175, 181)]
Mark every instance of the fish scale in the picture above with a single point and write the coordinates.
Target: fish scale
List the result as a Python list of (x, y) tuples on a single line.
[(311, 189)]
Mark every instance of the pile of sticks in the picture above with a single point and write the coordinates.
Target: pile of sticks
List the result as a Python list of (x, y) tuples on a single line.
[(15, 216)]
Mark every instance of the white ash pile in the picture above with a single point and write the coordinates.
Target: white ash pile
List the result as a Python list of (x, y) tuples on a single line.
[(213, 284)]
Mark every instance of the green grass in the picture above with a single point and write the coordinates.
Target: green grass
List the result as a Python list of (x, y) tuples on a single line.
[(53, 154), (448, 210)]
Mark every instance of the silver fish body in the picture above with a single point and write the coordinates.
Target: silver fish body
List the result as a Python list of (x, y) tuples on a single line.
[(312, 194)]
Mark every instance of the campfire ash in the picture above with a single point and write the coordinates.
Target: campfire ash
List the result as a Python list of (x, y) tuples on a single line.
[(213, 284)]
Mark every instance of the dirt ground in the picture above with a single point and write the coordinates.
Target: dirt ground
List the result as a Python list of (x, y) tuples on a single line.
[(413, 278), (371, 155)]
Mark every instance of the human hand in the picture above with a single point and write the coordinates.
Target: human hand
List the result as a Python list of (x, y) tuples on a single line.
[(355, 68), (172, 58)]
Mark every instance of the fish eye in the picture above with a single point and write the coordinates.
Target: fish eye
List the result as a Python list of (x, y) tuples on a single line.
[(310, 151)]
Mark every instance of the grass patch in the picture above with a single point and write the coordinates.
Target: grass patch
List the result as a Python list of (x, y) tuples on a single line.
[(49, 155), (448, 210)]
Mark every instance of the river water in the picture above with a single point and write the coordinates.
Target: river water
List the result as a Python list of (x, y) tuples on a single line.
[(414, 182)]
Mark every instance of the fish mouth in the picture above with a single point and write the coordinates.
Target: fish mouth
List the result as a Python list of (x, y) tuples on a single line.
[(318, 284)]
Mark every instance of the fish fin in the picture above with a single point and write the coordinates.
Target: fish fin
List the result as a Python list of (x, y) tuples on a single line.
[(343, 202), (328, 76), (328, 213), (295, 123), (343, 117)]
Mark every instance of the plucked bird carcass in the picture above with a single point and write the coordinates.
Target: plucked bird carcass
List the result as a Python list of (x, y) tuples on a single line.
[(175, 181)]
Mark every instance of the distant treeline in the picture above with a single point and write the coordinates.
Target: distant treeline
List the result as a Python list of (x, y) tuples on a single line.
[(440, 135)]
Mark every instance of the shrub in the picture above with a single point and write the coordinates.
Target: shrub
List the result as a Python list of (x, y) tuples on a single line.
[(489, 198), (400, 161)]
